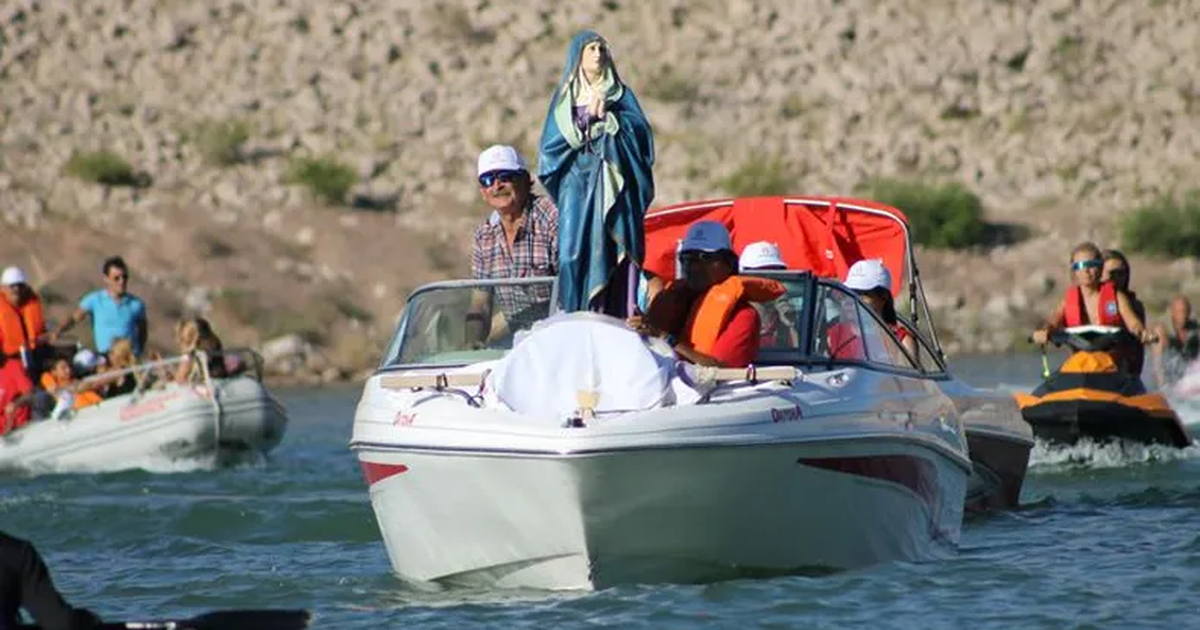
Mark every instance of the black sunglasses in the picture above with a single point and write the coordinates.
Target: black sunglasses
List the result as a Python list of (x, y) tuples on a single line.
[(491, 177), (687, 257), (879, 292)]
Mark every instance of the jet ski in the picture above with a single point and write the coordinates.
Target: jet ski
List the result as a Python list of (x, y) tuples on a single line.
[(1089, 397)]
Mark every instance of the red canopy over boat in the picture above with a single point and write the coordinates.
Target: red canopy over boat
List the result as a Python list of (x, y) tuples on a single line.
[(822, 234)]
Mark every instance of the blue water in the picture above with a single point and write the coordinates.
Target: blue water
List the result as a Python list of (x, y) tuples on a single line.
[(1108, 538)]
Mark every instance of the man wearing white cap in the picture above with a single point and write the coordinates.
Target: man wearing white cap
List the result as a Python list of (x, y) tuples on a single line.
[(872, 281), (16, 339), (22, 319), (761, 255), (519, 239), (778, 319)]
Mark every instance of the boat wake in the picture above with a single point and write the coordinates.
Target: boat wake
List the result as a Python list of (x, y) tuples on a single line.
[(1049, 457), (160, 464)]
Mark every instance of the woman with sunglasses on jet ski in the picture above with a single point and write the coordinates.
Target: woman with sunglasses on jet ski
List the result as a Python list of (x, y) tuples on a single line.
[(1089, 301)]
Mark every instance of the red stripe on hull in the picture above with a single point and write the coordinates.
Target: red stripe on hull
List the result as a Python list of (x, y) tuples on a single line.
[(378, 472), (913, 473)]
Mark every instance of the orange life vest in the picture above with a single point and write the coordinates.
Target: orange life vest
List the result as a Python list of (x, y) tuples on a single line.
[(1075, 314), (83, 399), (20, 326), (711, 312)]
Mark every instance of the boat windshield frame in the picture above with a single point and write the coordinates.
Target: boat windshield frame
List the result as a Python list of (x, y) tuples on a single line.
[(805, 354), (396, 345)]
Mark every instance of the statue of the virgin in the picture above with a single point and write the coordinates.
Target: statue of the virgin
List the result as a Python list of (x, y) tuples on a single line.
[(595, 161)]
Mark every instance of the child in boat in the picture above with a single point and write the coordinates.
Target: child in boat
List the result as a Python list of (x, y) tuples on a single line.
[(193, 335), (120, 379), (61, 381)]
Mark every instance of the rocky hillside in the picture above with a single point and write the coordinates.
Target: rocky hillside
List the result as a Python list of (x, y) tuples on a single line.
[(1061, 114)]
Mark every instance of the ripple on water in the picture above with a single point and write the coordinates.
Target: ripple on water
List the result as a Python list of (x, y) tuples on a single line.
[(1107, 544)]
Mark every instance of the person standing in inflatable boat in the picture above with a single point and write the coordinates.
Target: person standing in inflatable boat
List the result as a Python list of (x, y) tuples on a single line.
[(709, 313), (1092, 302)]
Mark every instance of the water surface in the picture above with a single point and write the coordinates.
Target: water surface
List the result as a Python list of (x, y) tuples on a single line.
[(1108, 537)]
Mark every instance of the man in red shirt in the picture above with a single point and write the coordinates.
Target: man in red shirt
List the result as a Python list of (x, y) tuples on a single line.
[(722, 328), (15, 395)]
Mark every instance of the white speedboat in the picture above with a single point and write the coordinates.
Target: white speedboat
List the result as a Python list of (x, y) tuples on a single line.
[(222, 420), (583, 456)]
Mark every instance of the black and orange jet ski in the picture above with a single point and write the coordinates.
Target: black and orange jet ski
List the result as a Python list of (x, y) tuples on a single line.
[(1089, 397)]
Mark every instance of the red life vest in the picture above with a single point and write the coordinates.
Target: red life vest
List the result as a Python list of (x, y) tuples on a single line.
[(1075, 314)]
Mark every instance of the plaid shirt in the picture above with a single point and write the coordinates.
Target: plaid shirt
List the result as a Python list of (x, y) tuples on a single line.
[(534, 253)]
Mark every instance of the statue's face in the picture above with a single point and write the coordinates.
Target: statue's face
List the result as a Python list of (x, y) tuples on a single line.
[(594, 58)]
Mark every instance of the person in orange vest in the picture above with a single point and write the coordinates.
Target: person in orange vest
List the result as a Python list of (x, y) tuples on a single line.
[(61, 381), (1091, 301), (22, 320), (721, 328)]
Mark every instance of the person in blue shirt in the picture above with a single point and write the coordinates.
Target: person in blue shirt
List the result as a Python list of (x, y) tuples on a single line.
[(115, 312)]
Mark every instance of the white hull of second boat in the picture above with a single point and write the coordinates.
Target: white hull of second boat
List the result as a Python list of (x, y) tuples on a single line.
[(162, 425), (612, 509)]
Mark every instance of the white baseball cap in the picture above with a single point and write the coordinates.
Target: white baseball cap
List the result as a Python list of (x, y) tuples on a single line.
[(85, 359), (13, 275), (865, 275), (761, 255), (706, 236), (500, 157)]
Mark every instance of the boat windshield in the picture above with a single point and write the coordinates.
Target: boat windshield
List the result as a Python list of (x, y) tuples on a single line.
[(783, 326), (459, 322), (819, 321), (466, 321)]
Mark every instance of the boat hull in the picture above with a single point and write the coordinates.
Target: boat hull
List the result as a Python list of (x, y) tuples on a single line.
[(998, 463), (176, 423), (999, 440), (587, 520)]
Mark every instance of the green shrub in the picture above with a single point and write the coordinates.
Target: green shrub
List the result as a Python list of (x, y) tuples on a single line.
[(102, 167), (325, 177), (946, 216), (1167, 226), (220, 142), (760, 177)]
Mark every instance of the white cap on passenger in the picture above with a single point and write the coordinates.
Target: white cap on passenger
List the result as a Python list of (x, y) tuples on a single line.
[(865, 275), (13, 276), (85, 359), (761, 255), (706, 236), (500, 157)]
